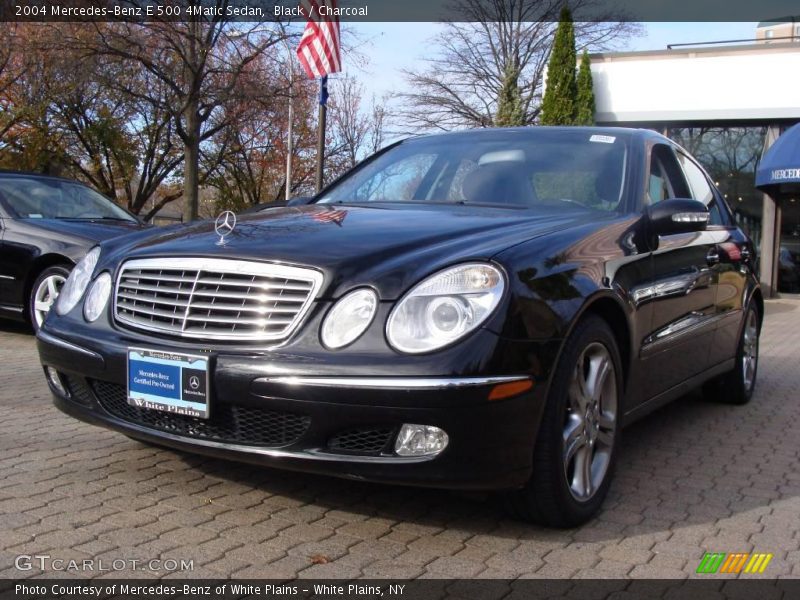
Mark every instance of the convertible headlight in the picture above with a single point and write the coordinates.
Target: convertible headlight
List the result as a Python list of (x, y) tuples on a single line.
[(445, 307), (349, 318), (77, 282), (97, 298)]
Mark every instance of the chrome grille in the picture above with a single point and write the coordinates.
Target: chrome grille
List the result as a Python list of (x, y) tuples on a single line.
[(219, 299)]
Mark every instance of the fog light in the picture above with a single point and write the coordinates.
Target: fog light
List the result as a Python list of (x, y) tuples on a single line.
[(420, 440), (55, 380)]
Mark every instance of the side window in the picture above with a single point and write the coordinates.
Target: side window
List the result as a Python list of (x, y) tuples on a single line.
[(657, 187), (665, 177), (701, 188)]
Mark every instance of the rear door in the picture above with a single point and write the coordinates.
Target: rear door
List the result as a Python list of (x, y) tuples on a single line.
[(683, 289)]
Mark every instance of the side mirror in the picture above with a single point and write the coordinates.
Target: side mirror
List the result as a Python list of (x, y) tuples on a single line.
[(299, 201), (676, 215)]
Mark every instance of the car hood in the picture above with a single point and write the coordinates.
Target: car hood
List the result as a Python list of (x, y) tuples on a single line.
[(388, 247), (89, 230)]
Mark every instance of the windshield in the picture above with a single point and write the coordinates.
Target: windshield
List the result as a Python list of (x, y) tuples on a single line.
[(562, 168), (40, 198)]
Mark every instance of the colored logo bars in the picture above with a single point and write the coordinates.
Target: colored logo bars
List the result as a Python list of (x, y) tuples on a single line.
[(734, 563)]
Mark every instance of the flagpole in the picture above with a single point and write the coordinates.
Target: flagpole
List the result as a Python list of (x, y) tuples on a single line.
[(323, 110)]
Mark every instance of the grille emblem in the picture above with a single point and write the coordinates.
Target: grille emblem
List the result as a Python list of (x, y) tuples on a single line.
[(224, 226)]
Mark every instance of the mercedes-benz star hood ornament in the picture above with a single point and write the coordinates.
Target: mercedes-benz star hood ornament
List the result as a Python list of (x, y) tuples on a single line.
[(224, 225)]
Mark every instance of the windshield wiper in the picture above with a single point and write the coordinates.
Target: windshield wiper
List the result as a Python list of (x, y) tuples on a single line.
[(97, 218)]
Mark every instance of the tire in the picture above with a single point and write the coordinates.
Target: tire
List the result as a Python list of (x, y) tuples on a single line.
[(737, 385), (556, 494), (44, 292)]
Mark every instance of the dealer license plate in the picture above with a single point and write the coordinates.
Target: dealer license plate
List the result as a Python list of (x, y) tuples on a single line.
[(168, 381)]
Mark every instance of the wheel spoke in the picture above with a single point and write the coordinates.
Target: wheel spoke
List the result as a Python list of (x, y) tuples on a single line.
[(573, 428), (574, 396), (578, 394), (573, 442), (42, 306), (51, 288), (605, 437), (586, 471), (606, 421), (598, 372)]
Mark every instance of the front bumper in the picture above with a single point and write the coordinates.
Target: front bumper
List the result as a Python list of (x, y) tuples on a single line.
[(490, 447)]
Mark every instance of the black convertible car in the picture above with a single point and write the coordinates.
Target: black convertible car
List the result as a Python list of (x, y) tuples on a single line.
[(476, 310), (47, 224)]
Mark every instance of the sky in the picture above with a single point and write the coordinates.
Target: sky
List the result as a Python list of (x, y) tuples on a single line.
[(391, 47)]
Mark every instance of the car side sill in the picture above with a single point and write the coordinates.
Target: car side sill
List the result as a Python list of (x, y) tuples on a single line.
[(677, 391)]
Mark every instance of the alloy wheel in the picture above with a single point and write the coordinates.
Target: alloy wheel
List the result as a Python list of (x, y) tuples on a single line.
[(750, 350), (45, 296), (591, 422)]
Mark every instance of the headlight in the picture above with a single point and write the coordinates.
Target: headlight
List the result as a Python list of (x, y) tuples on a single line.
[(349, 318), (445, 307), (97, 298), (76, 282)]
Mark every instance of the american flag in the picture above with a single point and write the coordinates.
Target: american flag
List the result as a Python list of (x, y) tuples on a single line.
[(318, 50), (330, 216)]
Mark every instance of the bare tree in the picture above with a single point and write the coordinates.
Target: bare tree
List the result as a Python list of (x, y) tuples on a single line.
[(200, 64), (357, 130), (378, 123), (349, 125), (460, 85)]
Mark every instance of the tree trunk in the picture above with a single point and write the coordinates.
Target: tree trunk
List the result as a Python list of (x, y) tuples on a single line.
[(192, 164)]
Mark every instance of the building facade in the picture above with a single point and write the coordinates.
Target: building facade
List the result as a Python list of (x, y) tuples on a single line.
[(726, 105)]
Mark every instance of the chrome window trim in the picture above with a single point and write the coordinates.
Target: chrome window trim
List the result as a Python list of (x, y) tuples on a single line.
[(398, 383), (222, 265)]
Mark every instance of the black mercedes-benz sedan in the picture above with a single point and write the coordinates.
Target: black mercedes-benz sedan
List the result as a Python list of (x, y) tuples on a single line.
[(478, 310), (47, 224)]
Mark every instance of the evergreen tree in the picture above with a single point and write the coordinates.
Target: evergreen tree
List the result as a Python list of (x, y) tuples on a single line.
[(559, 102), (509, 105), (584, 113)]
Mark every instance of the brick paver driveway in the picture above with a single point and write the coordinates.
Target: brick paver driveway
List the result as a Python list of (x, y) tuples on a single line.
[(693, 477)]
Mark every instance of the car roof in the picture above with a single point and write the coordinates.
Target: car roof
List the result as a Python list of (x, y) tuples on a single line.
[(628, 132)]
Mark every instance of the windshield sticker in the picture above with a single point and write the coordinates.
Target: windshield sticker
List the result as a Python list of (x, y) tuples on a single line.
[(605, 139)]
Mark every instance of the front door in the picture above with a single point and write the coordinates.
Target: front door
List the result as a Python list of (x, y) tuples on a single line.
[(682, 291)]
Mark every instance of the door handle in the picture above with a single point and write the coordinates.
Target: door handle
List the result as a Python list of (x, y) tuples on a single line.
[(712, 258)]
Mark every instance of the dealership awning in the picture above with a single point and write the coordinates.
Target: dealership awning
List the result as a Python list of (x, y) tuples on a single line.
[(779, 169)]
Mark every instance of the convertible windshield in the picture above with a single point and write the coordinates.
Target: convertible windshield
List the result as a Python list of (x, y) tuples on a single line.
[(527, 168), (40, 198)]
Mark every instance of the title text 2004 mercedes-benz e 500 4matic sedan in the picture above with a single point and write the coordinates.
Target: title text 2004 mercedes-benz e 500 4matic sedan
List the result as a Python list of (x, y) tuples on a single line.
[(478, 310)]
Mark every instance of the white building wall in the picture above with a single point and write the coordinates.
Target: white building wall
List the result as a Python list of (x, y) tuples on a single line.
[(751, 82)]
